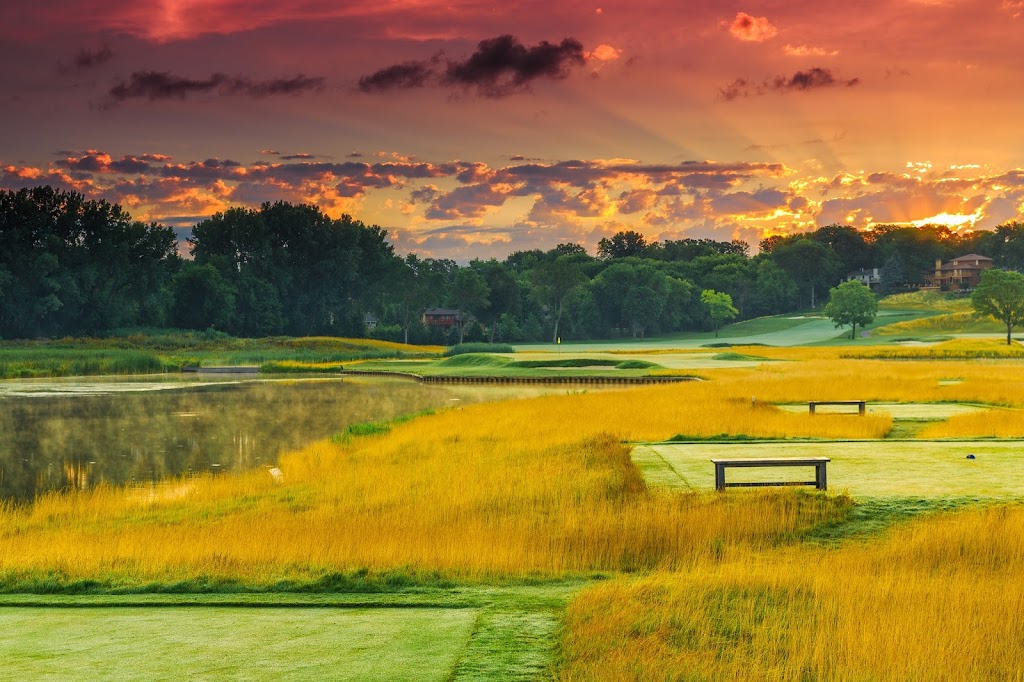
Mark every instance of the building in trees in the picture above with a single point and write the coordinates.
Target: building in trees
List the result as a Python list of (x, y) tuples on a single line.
[(960, 273), (444, 318), (869, 277)]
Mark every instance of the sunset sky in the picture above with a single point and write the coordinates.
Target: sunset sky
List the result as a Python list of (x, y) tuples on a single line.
[(473, 128)]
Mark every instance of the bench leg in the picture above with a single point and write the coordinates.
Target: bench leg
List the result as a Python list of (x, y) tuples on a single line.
[(719, 477), (820, 478), (861, 408)]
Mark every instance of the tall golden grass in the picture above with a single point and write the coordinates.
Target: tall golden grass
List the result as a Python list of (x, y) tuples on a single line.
[(533, 486), (989, 424), (941, 599), (542, 486)]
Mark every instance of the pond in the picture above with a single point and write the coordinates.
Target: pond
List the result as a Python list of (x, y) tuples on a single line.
[(77, 433)]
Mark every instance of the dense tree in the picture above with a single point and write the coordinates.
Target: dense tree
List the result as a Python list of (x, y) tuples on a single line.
[(503, 298), (1005, 246), (622, 245), (893, 274), (919, 247), (811, 264), (641, 309), (719, 306), (851, 303), (72, 266), (202, 298), (327, 273), (470, 296), (848, 244), (553, 281), (688, 249), (1001, 294), (75, 266)]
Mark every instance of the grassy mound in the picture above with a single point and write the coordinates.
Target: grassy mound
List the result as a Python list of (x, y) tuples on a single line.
[(474, 360), (732, 356), (925, 300), (464, 348), (963, 322), (565, 362)]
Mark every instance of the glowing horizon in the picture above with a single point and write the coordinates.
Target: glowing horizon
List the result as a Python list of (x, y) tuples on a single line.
[(466, 132)]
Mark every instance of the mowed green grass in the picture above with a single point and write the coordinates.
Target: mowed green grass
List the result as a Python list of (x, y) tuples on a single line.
[(864, 469), (231, 643)]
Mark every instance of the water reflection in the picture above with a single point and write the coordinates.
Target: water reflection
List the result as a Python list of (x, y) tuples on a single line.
[(75, 434)]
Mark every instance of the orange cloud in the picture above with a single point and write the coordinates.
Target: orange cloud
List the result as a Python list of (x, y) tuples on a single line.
[(752, 29), (604, 53), (808, 51)]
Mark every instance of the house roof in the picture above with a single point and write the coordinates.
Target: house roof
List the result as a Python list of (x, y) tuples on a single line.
[(440, 311), (953, 265), (970, 256)]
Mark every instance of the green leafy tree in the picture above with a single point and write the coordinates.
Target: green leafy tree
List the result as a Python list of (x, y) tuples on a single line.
[(1001, 294), (893, 274), (504, 297), (553, 280), (326, 272), (811, 264), (851, 303), (622, 245), (720, 308), (641, 308), (470, 294), (202, 298), (76, 266)]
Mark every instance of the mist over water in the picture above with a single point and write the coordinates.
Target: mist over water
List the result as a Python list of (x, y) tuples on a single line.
[(75, 434)]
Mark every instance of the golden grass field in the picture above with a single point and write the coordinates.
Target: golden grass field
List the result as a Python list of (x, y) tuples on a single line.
[(705, 586), (940, 599)]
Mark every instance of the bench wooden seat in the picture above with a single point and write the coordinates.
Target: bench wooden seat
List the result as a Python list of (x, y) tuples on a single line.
[(820, 479), (861, 404)]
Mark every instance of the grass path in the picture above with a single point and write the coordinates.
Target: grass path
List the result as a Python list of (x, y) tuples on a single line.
[(459, 634), (225, 643)]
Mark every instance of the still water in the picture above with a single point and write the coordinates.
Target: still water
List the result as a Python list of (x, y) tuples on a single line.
[(75, 434)]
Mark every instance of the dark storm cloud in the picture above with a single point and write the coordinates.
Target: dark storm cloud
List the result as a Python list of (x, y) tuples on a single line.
[(504, 65), (93, 161), (90, 58), (811, 79), (814, 78), (399, 77), (500, 66), (158, 85)]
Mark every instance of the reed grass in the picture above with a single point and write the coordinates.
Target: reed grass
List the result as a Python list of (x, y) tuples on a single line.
[(940, 599), (955, 349), (155, 351), (46, 362), (993, 424), (924, 300), (534, 487)]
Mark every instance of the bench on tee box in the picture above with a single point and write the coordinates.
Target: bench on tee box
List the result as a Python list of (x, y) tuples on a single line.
[(861, 405), (820, 479)]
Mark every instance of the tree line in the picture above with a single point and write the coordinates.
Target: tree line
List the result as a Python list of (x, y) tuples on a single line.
[(70, 266)]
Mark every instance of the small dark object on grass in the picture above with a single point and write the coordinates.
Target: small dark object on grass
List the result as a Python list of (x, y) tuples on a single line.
[(970, 456)]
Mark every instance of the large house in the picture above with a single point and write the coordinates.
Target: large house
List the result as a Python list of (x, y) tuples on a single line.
[(440, 317), (869, 277), (959, 273)]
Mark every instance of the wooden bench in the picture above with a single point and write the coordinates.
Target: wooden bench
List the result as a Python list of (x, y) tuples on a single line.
[(861, 404), (820, 480)]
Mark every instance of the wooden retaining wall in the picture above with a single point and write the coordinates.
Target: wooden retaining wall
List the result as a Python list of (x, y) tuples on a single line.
[(432, 379)]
